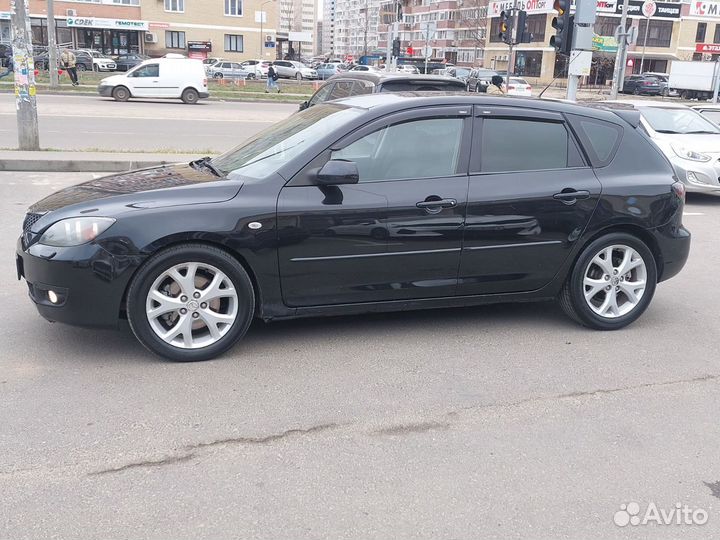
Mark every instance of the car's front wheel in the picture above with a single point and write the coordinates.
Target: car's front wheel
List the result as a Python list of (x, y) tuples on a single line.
[(190, 302), (611, 284), (120, 93), (298, 76)]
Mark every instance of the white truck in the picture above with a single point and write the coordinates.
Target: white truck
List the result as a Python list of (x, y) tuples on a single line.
[(693, 79)]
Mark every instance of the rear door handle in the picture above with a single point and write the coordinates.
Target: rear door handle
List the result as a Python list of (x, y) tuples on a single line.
[(438, 203), (569, 195)]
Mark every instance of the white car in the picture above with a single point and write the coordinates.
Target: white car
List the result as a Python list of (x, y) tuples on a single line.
[(259, 67), (101, 62), (690, 142), (519, 87), (290, 69), (174, 78)]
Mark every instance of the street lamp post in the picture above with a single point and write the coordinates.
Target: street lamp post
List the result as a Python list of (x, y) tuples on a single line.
[(262, 20)]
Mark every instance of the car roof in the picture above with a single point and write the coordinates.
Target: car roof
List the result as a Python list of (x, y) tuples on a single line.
[(378, 77), (394, 101)]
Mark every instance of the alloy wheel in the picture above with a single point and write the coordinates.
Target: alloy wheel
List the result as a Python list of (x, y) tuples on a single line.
[(614, 281), (191, 305)]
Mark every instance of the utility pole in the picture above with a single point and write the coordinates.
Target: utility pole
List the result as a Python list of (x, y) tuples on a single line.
[(622, 38), (25, 102), (52, 45), (581, 54)]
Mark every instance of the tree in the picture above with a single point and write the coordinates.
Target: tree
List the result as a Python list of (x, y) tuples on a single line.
[(471, 23)]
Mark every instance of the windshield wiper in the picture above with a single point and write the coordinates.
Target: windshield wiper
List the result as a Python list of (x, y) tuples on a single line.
[(668, 131), (701, 132), (206, 164)]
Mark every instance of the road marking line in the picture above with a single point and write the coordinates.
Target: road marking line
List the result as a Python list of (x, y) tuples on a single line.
[(693, 214)]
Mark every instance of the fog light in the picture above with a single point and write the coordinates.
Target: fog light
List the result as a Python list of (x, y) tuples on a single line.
[(53, 297), (696, 178)]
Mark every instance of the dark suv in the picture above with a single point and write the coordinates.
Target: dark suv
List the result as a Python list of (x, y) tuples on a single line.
[(479, 79), (642, 84), (363, 82)]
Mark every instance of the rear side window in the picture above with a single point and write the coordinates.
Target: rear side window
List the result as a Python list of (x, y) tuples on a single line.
[(600, 139), (341, 90), (536, 145)]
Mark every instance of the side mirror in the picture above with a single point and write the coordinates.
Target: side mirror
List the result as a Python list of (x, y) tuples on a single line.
[(338, 171), (304, 105)]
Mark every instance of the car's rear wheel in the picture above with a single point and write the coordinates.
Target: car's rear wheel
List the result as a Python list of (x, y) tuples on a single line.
[(218, 76), (611, 284), (120, 93), (636, 91), (190, 96), (81, 67), (190, 302)]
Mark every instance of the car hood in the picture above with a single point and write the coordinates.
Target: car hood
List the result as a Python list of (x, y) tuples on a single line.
[(167, 185), (706, 143)]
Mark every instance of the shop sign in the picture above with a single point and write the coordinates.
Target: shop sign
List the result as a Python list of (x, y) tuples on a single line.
[(531, 6), (707, 48), (663, 10), (705, 9), (604, 44), (113, 24), (199, 46)]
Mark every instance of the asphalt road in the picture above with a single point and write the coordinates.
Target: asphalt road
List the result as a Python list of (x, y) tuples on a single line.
[(494, 422), (101, 124)]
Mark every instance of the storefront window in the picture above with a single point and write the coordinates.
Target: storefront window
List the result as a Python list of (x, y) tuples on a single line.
[(528, 64)]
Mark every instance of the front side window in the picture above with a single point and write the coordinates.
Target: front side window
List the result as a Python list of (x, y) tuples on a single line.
[(321, 95), (341, 90), (233, 43), (509, 144), (233, 8), (174, 40), (417, 149), (149, 70), (175, 5)]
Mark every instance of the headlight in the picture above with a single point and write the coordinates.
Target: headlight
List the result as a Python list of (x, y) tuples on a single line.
[(75, 231), (686, 153)]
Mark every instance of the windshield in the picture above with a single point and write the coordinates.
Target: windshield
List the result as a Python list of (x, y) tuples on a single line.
[(672, 120), (462, 72), (264, 153)]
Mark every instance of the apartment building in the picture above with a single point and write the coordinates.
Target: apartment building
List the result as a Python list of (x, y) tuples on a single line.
[(296, 28), (234, 29), (328, 19), (352, 27)]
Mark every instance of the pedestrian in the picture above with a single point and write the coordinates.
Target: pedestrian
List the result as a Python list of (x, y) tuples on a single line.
[(8, 66), (68, 62), (495, 87), (272, 78)]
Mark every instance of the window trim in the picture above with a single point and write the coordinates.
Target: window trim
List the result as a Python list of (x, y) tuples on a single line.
[(179, 2), (178, 32), (239, 3)]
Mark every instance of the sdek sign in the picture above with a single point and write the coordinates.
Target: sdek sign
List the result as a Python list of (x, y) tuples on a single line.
[(113, 24)]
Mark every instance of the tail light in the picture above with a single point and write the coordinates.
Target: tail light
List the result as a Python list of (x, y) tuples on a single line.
[(529, 88), (511, 87), (678, 188), (204, 82)]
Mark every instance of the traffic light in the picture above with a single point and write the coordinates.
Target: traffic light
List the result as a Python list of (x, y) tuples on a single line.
[(396, 47), (523, 36), (563, 25), (505, 32)]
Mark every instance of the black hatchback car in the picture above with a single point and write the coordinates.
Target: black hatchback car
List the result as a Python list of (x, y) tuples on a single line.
[(354, 83), (375, 203)]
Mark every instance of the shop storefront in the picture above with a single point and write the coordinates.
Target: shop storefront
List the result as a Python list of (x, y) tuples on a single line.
[(110, 36)]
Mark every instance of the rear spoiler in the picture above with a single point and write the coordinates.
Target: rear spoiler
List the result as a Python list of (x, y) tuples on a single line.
[(622, 110)]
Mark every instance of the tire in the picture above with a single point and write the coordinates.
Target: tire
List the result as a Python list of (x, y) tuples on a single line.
[(665, 92), (685, 95), (81, 67), (477, 88), (120, 93), (190, 96), (298, 76), (572, 297), (636, 91), (198, 344), (217, 76)]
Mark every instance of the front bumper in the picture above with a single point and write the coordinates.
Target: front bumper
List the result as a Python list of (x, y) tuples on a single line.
[(105, 90), (88, 281), (698, 176)]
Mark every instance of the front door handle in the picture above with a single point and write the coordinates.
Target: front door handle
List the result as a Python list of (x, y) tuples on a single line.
[(570, 196), (437, 203)]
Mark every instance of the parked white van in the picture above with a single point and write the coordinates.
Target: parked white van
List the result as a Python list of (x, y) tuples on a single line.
[(179, 78)]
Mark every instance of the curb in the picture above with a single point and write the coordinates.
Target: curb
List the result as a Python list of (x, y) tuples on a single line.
[(76, 165)]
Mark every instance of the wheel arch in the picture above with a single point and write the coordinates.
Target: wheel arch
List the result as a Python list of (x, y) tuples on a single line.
[(628, 228), (172, 241)]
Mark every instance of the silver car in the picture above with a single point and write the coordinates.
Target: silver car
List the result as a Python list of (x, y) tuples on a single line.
[(230, 70), (289, 69), (689, 141)]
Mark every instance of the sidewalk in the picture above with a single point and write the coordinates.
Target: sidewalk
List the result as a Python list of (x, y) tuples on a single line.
[(51, 161)]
